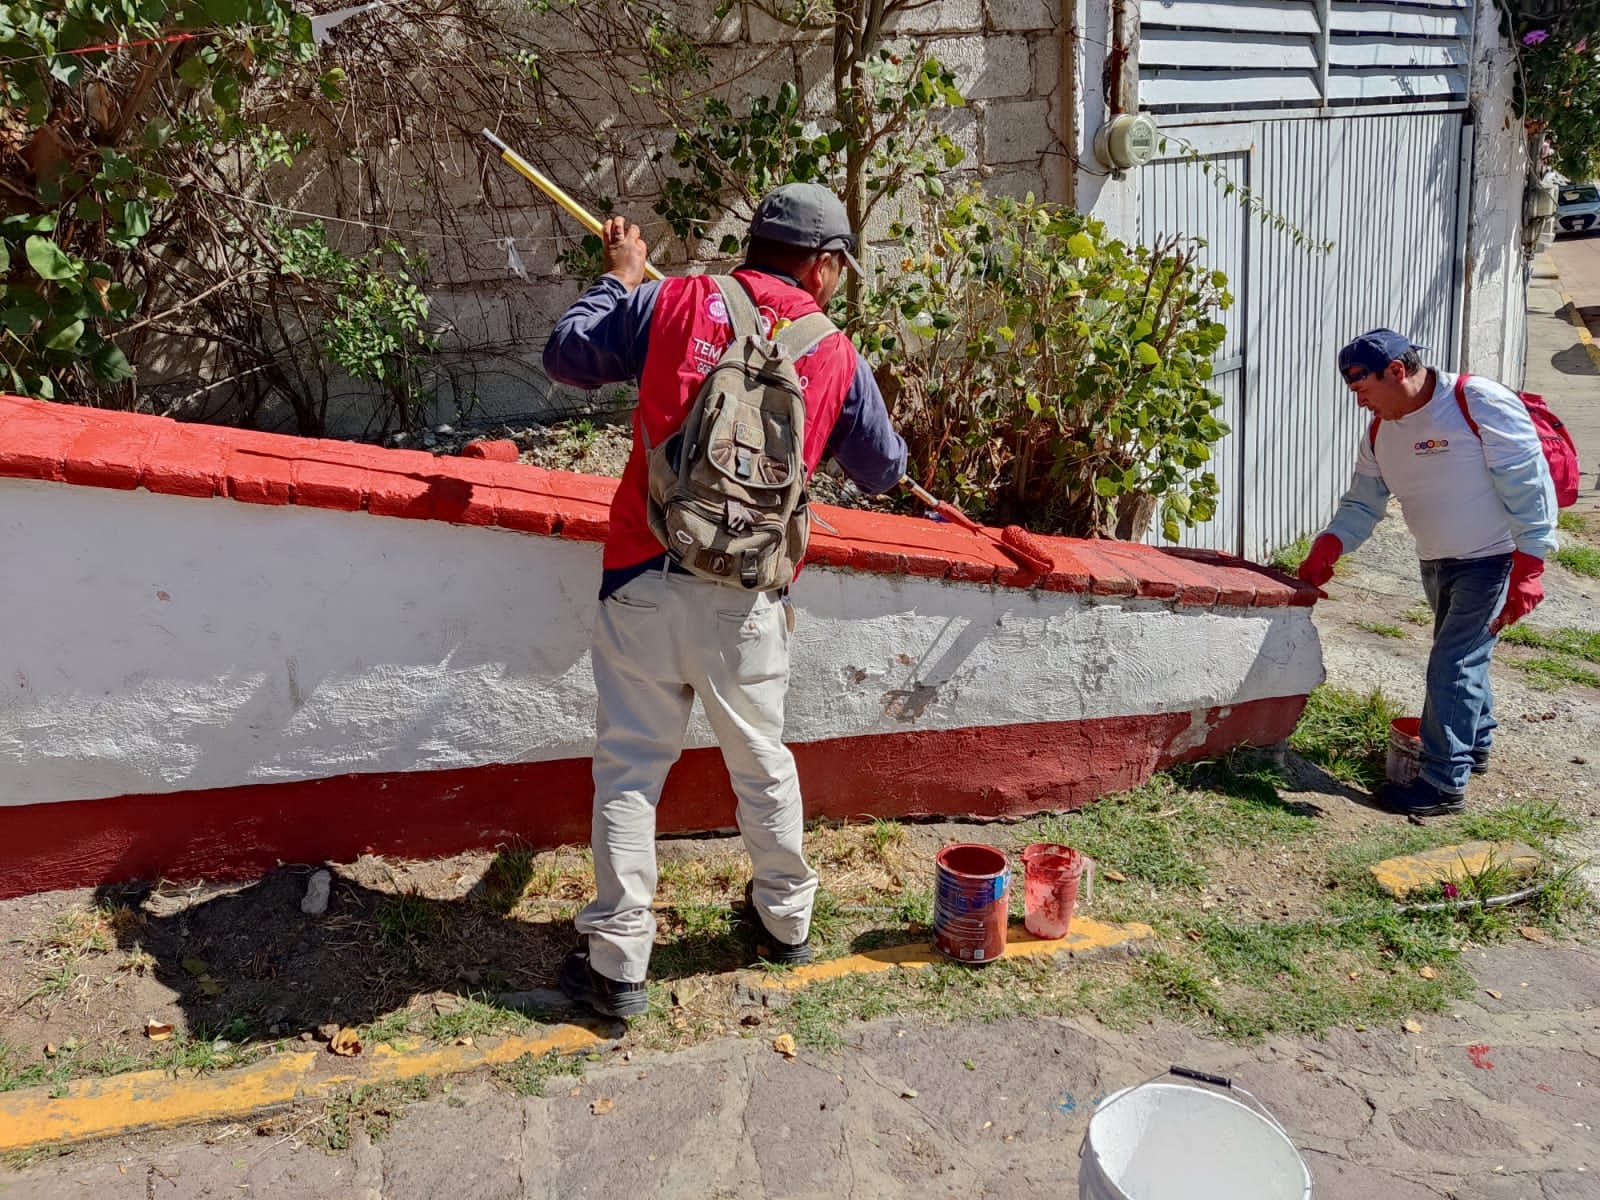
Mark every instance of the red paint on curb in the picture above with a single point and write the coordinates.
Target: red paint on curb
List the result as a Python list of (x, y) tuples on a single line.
[(237, 833), (94, 447), (496, 451)]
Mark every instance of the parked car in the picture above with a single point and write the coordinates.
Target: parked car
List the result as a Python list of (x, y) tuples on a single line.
[(1578, 208)]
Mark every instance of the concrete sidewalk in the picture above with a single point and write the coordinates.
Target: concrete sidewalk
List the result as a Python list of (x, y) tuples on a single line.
[(1496, 1100), (1564, 362)]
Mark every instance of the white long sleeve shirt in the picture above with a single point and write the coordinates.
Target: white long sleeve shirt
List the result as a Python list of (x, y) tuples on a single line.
[(1462, 495)]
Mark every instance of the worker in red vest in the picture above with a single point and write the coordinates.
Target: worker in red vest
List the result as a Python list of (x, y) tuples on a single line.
[(664, 636), (1466, 462)]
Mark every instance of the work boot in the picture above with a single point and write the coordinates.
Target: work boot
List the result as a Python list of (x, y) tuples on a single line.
[(581, 983), (1480, 761), (768, 948), (1419, 798)]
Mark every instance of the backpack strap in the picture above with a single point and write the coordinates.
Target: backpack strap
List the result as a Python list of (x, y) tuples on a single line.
[(742, 314), (1461, 403), (801, 337)]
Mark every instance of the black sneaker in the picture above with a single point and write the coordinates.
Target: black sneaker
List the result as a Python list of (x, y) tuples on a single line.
[(1420, 799), (609, 997), (1480, 761), (768, 948)]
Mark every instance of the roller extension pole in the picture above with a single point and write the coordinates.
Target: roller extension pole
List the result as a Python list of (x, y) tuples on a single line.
[(546, 185)]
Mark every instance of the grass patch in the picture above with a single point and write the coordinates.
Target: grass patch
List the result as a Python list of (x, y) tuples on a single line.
[(406, 921), (1382, 630), (391, 1027), (502, 887), (883, 835), (1549, 673), (474, 1019), (374, 1107), (1161, 834), (1531, 821), (530, 1074), (1418, 614), (81, 931), (1346, 734), (53, 983), (1288, 558), (15, 1073), (1579, 643), (1571, 522), (1581, 560), (202, 1051)]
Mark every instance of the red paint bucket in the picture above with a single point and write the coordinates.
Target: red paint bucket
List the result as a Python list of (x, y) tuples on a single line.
[(969, 902), (1404, 760), (1050, 875)]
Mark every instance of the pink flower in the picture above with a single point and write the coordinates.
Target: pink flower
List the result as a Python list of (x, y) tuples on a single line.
[(1534, 36), (1451, 891)]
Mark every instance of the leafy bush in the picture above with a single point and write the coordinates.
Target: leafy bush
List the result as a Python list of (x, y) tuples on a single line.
[(140, 139), (92, 147), (1043, 371), (1558, 47)]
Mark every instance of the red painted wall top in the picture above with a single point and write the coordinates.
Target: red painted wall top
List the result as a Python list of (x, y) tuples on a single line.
[(99, 448)]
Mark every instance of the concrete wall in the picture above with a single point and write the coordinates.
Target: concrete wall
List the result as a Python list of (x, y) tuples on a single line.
[(1495, 315), (609, 148), (220, 653)]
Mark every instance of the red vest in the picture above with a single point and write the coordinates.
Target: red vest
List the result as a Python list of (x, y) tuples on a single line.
[(688, 332)]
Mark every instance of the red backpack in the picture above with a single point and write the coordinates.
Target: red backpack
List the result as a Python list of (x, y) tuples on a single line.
[(1554, 440)]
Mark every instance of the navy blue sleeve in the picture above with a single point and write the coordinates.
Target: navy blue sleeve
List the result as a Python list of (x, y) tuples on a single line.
[(603, 337), (863, 441)]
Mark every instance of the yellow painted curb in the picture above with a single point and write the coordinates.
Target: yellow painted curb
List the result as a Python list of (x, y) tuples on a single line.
[(97, 1108), (1086, 936), (1584, 335), (1411, 872)]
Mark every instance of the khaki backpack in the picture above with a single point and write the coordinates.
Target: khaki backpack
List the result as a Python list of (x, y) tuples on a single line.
[(727, 491)]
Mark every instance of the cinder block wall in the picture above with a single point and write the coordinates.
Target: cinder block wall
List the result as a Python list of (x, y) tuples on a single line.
[(495, 279)]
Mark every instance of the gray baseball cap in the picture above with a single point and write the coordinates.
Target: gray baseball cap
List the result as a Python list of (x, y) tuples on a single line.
[(806, 214)]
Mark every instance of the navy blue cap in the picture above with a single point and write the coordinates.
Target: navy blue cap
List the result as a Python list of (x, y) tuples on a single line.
[(808, 215), (1375, 350)]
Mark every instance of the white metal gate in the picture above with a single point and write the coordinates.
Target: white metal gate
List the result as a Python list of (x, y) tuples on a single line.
[(1336, 121), (1384, 190)]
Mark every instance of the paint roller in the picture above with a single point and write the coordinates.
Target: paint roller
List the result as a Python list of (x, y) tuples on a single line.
[(1022, 546)]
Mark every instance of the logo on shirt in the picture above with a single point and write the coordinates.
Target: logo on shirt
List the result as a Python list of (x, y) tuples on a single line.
[(705, 355), (1432, 446), (717, 309)]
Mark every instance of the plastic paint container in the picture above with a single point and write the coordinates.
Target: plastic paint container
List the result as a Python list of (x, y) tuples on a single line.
[(1051, 874)]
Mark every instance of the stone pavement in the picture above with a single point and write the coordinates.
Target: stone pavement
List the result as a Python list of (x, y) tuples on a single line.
[(1497, 1100)]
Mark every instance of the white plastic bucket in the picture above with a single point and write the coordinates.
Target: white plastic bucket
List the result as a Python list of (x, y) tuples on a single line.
[(1170, 1141)]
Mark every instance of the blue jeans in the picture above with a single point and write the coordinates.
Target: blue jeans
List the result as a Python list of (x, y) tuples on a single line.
[(1458, 714)]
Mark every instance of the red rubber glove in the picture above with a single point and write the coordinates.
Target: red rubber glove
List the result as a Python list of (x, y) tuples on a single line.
[(1523, 593), (1317, 568)]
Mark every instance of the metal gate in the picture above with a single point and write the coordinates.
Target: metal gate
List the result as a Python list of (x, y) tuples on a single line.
[(1385, 191), (1337, 121)]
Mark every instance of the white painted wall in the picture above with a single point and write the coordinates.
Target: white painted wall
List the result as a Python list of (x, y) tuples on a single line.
[(1495, 316), (160, 644)]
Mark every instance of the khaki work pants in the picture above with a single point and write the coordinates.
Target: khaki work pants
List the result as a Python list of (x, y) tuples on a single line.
[(660, 641)]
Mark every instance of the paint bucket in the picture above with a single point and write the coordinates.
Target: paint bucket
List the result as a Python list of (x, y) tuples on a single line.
[(969, 902), (1171, 1141), (1050, 877), (1404, 762)]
